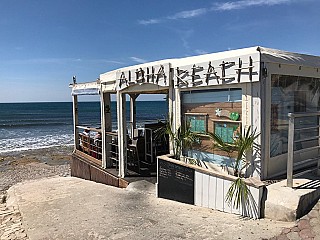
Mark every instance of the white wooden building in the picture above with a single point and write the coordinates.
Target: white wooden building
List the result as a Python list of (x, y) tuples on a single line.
[(218, 92)]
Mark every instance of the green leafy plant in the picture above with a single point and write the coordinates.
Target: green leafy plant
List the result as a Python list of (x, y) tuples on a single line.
[(181, 138), (241, 145), (239, 193)]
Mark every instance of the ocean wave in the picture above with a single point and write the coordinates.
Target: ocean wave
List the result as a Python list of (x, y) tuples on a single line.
[(27, 143)]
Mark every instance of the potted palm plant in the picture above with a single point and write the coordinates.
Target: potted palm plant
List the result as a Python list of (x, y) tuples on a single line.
[(238, 193), (181, 138)]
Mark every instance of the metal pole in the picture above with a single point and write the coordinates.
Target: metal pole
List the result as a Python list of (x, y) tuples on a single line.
[(290, 151)]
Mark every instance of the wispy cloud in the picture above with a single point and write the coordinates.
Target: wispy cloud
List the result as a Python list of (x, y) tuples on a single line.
[(223, 6), (234, 5), (200, 51), (185, 35), (179, 15), (138, 60), (188, 14), (150, 21)]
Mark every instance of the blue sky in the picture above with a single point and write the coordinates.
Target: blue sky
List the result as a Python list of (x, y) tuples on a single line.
[(44, 43)]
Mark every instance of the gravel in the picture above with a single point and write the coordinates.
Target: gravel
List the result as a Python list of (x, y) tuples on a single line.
[(17, 167)]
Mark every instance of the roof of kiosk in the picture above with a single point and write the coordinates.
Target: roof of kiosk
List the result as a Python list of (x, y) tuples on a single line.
[(279, 56), (109, 80), (267, 55)]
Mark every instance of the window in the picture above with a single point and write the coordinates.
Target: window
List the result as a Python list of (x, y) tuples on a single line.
[(227, 131), (291, 94), (198, 122)]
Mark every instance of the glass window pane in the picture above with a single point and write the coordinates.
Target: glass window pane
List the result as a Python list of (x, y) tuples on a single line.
[(292, 94)]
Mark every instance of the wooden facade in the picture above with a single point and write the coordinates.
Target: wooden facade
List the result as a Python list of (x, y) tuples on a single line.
[(208, 110), (86, 167)]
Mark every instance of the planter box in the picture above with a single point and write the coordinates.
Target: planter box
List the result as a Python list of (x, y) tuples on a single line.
[(191, 184)]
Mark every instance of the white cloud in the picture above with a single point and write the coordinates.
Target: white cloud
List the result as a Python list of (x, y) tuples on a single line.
[(138, 60), (149, 21), (179, 15), (188, 14), (200, 51), (234, 5), (225, 6), (185, 36)]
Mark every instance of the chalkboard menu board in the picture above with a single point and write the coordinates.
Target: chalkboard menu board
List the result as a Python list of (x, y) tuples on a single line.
[(175, 182), (198, 123)]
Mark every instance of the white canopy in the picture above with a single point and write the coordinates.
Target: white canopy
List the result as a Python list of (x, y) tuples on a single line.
[(258, 54)]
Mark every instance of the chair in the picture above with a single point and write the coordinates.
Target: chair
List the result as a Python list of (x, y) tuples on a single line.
[(96, 149), (133, 158), (85, 143)]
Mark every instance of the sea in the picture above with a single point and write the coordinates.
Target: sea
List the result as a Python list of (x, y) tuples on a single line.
[(25, 126)]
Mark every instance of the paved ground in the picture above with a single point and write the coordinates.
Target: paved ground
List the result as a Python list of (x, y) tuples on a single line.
[(72, 208)]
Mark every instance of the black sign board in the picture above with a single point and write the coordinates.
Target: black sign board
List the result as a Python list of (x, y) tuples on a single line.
[(175, 182)]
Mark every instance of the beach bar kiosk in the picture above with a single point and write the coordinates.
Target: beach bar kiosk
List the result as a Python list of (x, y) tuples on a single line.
[(274, 92)]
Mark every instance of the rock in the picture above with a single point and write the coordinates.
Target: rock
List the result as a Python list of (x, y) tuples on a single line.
[(286, 230), (293, 236), (3, 198), (7, 220), (306, 233), (303, 224), (282, 237), (314, 222)]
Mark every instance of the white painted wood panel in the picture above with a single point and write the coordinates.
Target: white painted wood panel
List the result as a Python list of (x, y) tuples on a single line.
[(212, 192), (220, 195), (205, 190), (226, 186), (198, 188)]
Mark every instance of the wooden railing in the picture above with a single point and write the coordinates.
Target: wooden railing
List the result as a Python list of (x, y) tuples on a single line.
[(114, 148), (90, 142)]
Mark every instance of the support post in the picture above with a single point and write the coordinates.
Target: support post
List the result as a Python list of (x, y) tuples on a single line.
[(171, 100), (177, 117), (106, 126), (122, 136), (133, 122), (290, 151), (75, 121)]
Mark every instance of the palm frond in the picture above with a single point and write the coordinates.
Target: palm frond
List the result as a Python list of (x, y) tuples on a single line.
[(220, 144), (237, 193)]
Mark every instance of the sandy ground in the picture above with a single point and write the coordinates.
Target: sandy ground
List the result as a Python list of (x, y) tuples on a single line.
[(72, 208), (40, 206)]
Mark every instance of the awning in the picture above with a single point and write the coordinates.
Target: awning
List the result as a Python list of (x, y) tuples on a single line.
[(85, 91)]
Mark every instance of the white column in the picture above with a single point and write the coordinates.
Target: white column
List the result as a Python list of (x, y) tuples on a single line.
[(133, 126), (177, 108), (171, 100), (106, 126), (75, 121), (122, 136)]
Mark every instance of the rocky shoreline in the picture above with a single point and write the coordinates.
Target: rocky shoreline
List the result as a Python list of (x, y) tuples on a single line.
[(16, 167)]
